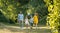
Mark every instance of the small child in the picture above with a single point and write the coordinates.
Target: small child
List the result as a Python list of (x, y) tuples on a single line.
[(35, 19), (26, 22), (20, 19), (31, 22)]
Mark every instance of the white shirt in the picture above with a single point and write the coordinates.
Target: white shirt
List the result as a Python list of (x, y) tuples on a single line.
[(26, 21)]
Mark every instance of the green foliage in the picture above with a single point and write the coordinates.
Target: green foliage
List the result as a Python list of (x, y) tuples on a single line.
[(53, 16), (10, 8)]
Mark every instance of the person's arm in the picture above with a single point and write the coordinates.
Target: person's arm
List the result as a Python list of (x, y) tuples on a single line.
[(18, 18), (33, 17), (18, 15), (23, 18)]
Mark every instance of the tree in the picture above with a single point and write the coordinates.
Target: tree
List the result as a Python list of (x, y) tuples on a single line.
[(53, 16)]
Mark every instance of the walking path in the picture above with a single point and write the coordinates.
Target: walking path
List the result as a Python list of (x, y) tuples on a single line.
[(15, 29)]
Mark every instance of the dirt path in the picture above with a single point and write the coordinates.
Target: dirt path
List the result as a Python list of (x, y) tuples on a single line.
[(15, 29)]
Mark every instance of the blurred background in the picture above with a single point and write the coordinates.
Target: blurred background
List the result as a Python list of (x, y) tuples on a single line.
[(48, 11)]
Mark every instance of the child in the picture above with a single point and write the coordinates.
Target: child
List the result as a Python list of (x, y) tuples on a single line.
[(26, 22), (20, 19), (31, 22), (35, 19)]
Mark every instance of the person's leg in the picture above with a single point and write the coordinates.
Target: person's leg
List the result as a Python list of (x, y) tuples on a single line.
[(36, 26), (27, 25), (19, 23), (22, 24), (31, 25)]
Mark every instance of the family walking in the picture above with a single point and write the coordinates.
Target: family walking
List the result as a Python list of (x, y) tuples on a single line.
[(29, 20)]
